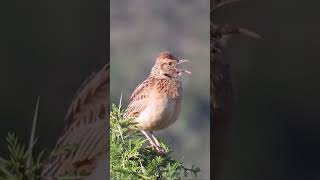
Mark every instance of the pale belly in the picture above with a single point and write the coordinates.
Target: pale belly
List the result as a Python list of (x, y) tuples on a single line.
[(159, 114)]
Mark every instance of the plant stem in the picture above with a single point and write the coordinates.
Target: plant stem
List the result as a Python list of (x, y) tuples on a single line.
[(33, 130)]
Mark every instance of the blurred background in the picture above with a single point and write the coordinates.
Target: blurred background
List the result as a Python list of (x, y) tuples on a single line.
[(274, 133), (139, 31), (48, 48)]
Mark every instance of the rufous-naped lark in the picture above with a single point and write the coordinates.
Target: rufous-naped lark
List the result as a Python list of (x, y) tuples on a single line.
[(155, 103)]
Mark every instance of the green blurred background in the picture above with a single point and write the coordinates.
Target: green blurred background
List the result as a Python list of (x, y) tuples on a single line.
[(139, 31)]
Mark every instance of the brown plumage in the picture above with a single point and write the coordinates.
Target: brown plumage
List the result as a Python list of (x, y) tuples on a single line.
[(87, 128), (155, 103)]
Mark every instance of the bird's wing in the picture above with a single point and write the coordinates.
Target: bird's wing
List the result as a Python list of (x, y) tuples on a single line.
[(92, 99), (86, 129), (140, 98)]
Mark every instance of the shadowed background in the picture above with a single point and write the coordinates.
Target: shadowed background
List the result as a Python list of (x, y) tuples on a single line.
[(139, 31), (48, 48), (274, 133)]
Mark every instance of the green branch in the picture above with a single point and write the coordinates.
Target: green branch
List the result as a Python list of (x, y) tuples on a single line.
[(131, 158)]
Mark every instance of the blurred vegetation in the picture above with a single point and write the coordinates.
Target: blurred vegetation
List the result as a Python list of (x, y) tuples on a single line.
[(130, 159), (24, 163), (16, 166)]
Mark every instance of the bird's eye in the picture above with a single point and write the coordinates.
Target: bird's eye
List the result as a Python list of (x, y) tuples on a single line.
[(170, 63)]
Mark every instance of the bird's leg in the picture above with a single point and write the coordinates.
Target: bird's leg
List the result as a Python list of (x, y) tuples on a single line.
[(155, 139), (153, 142), (149, 137), (160, 149)]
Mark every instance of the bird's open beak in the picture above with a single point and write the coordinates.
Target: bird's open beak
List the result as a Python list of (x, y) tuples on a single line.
[(183, 70)]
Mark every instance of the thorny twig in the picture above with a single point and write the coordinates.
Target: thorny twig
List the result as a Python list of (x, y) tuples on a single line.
[(220, 4)]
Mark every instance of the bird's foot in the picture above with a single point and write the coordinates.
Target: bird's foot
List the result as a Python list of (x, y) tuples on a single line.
[(154, 143), (160, 150)]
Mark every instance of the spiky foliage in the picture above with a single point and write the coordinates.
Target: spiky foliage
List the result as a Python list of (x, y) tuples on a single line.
[(15, 167), (24, 163), (131, 159), (18, 166)]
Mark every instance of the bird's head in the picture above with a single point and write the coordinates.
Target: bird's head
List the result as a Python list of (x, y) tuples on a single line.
[(166, 66)]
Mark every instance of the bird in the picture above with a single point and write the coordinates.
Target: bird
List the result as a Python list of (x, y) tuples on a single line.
[(87, 129), (156, 102)]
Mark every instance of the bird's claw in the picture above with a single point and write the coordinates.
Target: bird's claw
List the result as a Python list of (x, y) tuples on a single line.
[(159, 150)]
